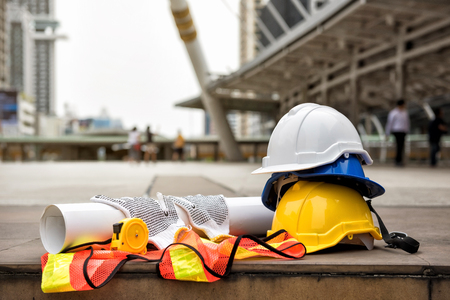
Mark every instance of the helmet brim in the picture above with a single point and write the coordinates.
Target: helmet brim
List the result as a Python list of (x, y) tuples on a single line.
[(345, 171), (364, 158), (285, 168)]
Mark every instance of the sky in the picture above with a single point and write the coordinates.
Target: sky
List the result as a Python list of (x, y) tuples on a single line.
[(127, 57)]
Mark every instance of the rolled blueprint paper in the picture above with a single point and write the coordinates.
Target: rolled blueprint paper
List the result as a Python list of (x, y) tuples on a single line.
[(66, 225), (63, 226), (248, 216)]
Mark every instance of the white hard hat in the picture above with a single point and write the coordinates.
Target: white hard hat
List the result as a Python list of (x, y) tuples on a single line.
[(308, 136)]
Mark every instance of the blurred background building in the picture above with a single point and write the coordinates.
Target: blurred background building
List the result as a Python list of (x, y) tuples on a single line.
[(3, 52), (246, 123), (28, 123), (29, 37), (358, 56), (32, 32)]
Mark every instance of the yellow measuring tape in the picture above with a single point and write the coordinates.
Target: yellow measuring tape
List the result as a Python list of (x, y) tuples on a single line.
[(131, 235)]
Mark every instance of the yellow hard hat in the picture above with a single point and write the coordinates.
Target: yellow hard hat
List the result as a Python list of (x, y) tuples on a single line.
[(320, 215)]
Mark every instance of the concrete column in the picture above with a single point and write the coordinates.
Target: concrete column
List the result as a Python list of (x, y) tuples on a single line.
[(167, 152), (216, 152), (255, 151), (400, 79), (380, 130), (22, 153), (188, 34), (304, 91), (400, 65), (368, 124), (3, 149), (193, 152), (324, 88), (354, 106)]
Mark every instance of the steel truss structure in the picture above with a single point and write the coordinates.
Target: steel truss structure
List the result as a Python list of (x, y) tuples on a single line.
[(355, 55)]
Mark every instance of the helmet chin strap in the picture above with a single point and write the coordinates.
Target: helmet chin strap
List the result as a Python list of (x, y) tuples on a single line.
[(282, 182), (395, 239)]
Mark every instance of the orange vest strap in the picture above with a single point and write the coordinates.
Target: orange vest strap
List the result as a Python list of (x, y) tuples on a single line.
[(92, 269)]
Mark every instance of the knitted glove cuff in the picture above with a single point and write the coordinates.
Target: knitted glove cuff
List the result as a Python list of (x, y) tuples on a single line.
[(167, 237), (206, 213)]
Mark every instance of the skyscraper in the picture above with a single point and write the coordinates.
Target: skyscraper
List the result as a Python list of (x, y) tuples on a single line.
[(31, 30), (250, 123), (248, 30), (2, 44)]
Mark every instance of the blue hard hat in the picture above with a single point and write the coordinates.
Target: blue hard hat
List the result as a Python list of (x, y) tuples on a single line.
[(346, 170)]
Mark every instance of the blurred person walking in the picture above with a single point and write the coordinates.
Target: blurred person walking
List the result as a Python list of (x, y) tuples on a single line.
[(178, 147), (151, 149), (436, 129), (398, 125), (134, 153)]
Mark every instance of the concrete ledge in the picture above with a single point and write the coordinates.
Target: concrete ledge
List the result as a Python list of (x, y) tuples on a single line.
[(244, 286), (343, 272)]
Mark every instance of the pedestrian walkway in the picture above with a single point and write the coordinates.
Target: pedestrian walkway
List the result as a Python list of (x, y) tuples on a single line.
[(416, 202), (73, 182)]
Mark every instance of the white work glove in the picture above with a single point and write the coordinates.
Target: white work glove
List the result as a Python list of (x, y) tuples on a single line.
[(161, 217), (206, 213)]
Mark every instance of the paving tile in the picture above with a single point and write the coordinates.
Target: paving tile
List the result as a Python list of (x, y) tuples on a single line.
[(188, 185), (416, 202)]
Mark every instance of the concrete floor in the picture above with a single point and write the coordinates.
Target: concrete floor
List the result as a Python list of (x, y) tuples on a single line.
[(417, 201), (73, 182)]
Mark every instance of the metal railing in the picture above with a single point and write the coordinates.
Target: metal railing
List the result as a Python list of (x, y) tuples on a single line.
[(416, 148)]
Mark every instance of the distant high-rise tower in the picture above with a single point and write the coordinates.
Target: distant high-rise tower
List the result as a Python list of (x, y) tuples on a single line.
[(248, 30), (31, 29), (3, 44), (249, 123)]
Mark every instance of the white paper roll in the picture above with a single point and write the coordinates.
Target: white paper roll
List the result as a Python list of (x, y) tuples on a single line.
[(66, 225), (249, 216)]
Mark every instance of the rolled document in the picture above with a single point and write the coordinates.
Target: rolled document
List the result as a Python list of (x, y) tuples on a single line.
[(63, 226), (248, 216)]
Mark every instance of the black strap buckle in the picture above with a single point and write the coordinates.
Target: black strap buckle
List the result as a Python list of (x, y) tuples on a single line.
[(395, 235), (395, 239)]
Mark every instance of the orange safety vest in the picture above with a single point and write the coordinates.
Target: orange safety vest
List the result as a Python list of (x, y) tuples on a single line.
[(191, 259)]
